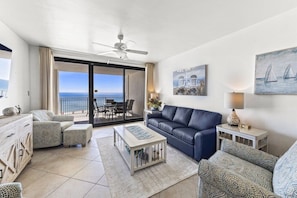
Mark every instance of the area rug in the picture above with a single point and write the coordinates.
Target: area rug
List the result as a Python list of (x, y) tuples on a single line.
[(146, 182)]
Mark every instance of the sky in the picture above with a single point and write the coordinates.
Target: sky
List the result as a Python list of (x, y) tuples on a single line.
[(78, 82), (4, 68)]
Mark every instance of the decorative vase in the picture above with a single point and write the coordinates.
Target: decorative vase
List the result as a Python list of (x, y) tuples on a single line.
[(154, 108), (9, 111)]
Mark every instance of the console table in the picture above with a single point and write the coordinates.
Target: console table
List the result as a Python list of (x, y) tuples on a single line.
[(16, 145), (256, 138)]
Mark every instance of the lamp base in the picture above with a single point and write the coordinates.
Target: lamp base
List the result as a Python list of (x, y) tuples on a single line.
[(233, 119)]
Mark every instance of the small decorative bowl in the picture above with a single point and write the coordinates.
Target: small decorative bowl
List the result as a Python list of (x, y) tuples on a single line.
[(9, 111)]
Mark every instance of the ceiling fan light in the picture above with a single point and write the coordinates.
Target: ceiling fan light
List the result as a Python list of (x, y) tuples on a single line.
[(122, 54)]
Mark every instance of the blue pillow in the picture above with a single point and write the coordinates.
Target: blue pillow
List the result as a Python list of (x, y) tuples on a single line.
[(168, 112), (182, 115), (202, 120)]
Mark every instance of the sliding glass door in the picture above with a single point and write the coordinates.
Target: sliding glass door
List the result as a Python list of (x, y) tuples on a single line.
[(98, 93), (73, 90), (108, 95)]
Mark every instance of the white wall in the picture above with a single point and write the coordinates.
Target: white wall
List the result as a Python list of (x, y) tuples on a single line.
[(19, 83), (231, 67)]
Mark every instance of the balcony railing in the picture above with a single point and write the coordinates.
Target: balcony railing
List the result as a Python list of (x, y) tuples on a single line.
[(78, 106)]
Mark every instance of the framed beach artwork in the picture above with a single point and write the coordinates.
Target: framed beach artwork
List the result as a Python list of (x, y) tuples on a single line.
[(190, 81), (275, 72)]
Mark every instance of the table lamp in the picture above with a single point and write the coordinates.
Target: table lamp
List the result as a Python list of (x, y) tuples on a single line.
[(233, 101), (154, 95)]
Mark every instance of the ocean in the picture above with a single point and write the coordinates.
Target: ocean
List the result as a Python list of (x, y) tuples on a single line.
[(71, 102)]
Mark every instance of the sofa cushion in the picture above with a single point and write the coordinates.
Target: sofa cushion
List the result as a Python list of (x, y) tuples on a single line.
[(65, 125), (168, 112), (41, 115), (202, 120), (285, 174), (155, 121), (182, 115), (185, 134), (250, 171), (168, 126)]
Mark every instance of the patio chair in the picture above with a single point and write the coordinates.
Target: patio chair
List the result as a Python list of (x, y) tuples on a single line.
[(109, 101), (99, 109), (130, 106), (119, 108)]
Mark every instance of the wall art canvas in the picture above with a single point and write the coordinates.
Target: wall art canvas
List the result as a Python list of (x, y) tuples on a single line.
[(190, 81), (276, 72)]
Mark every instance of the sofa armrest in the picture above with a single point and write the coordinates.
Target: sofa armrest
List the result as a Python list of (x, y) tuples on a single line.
[(232, 184), (249, 154), (205, 144), (46, 126), (62, 118), (46, 134), (154, 115), (13, 189)]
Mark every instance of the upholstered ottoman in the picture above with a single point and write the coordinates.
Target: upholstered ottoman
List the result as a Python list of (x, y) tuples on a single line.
[(77, 134)]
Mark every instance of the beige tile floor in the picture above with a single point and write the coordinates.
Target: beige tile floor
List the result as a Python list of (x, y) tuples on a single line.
[(73, 172)]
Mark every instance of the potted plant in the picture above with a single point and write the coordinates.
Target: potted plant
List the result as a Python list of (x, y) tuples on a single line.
[(154, 103)]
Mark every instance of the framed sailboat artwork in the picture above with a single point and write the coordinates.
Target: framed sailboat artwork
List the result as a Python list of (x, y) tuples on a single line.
[(276, 72)]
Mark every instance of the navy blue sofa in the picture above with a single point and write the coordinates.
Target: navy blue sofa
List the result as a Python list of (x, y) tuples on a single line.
[(191, 131)]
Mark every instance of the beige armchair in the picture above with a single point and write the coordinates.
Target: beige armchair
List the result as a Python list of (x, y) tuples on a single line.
[(11, 190), (238, 170), (48, 128)]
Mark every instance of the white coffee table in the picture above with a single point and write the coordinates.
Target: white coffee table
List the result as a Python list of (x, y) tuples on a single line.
[(140, 153)]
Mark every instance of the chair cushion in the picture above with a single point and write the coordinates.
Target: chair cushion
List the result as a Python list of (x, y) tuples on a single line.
[(285, 174), (168, 112), (202, 120), (185, 134), (65, 125), (168, 126), (250, 171), (182, 115), (41, 115)]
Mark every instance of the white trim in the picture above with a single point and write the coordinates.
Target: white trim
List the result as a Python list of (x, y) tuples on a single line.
[(96, 58)]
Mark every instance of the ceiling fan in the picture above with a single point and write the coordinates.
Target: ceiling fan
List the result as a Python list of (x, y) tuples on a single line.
[(121, 48)]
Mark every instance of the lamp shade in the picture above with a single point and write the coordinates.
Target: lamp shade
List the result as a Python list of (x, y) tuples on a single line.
[(154, 95), (234, 100)]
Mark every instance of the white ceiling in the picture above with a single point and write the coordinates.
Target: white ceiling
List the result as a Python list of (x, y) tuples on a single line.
[(164, 28)]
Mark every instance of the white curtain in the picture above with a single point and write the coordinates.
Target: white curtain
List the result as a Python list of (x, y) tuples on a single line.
[(49, 79), (149, 75)]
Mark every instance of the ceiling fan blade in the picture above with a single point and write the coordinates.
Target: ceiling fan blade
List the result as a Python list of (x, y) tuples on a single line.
[(107, 52), (103, 45), (136, 51)]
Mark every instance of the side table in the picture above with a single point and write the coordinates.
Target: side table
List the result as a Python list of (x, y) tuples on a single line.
[(256, 138), (147, 111)]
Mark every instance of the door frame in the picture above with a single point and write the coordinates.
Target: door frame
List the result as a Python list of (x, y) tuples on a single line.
[(91, 65)]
